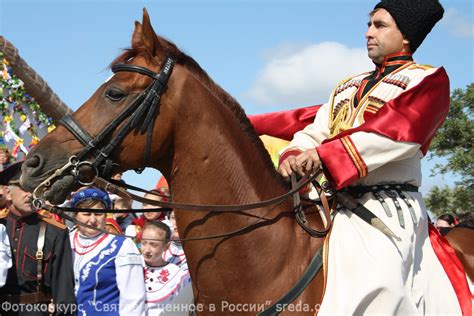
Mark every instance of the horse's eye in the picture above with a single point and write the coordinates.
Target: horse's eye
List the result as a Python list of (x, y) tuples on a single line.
[(115, 94)]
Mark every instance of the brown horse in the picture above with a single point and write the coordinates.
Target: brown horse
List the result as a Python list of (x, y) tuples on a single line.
[(205, 146), (462, 241)]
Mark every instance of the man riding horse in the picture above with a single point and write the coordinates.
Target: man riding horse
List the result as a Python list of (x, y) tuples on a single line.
[(374, 137), (369, 140)]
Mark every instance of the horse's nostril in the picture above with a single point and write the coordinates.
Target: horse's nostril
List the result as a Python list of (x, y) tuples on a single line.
[(33, 162)]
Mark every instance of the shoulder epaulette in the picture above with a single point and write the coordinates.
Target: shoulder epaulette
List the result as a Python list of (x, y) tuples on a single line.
[(420, 66), (47, 217), (53, 222), (112, 226), (3, 213)]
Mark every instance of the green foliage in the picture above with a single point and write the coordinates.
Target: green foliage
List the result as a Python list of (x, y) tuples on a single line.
[(454, 143), (457, 200)]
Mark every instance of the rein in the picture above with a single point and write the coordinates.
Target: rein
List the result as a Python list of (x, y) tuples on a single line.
[(60, 211), (298, 208), (118, 190), (324, 210)]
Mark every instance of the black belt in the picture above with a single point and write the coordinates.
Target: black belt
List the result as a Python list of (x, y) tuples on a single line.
[(359, 190), (28, 298)]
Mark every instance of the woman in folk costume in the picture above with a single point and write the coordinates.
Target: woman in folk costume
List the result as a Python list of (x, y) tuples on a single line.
[(164, 280), (369, 140), (108, 269)]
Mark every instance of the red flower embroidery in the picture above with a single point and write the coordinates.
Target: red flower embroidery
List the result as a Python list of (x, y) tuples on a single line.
[(164, 274)]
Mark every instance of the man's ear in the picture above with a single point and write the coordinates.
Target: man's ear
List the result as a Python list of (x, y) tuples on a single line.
[(8, 191), (406, 44)]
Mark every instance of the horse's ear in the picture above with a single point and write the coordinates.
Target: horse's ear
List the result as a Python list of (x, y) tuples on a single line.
[(149, 39), (137, 36)]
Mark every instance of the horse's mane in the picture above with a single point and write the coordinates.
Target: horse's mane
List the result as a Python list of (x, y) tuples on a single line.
[(189, 63)]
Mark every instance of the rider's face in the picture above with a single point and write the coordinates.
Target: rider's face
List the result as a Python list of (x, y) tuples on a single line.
[(384, 37)]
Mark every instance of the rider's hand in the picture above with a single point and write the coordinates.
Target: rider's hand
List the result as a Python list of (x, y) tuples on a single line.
[(307, 160), (287, 166)]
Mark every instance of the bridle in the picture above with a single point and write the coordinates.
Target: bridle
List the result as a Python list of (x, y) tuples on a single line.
[(142, 109)]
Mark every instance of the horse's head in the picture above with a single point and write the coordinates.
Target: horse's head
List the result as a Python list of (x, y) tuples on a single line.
[(128, 114)]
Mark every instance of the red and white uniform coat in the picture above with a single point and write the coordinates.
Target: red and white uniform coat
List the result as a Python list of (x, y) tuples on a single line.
[(375, 129)]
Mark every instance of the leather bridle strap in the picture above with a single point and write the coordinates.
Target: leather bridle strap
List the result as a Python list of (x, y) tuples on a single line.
[(324, 211), (85, 137), (82, 135), (143, 108), (40, 256), (162, 77)]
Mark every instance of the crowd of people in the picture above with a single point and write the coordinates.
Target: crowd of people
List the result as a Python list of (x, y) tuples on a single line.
[(89, 262)]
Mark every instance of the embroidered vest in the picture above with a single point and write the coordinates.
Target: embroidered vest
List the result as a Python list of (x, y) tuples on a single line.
[(98, 292)]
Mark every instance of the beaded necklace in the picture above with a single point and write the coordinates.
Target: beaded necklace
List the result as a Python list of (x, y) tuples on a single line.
[(91, 246)]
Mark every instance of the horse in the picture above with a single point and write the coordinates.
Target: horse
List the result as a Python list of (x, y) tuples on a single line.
[(460, 239), (203, 143)]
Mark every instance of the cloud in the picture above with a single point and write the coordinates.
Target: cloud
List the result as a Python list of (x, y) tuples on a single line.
[(297, 75), (458, 25)]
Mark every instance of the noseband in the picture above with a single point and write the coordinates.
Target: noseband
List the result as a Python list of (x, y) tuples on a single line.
[(143, 109)]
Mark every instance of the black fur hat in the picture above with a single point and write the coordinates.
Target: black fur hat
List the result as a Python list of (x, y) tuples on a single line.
[(414, 18)]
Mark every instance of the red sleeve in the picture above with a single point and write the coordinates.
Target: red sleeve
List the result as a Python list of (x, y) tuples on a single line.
[(283, 124), (113, 226), (341, 162)]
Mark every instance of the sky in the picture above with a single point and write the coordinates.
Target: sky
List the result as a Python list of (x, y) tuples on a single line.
[(269, 55)]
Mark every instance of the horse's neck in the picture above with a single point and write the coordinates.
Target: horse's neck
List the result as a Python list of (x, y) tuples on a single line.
[(215, 162)]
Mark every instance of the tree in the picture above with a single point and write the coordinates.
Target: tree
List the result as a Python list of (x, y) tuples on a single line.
[(453, 142)]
